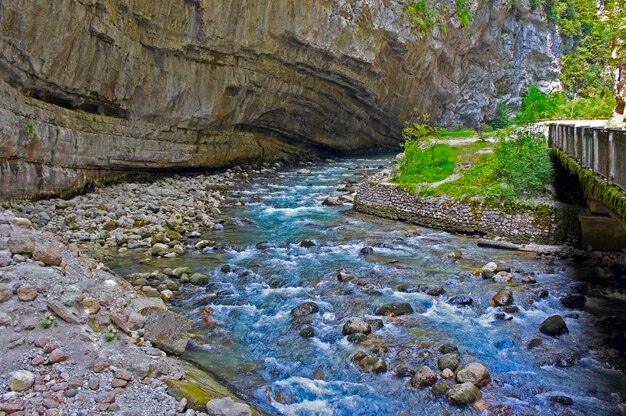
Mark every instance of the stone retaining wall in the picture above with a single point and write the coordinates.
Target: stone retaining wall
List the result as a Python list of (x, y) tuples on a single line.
[(545, 224)]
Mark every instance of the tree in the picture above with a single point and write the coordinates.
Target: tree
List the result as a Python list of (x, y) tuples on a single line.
[(617, 23)]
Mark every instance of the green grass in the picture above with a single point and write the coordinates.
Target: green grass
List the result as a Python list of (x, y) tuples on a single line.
[(456, 133)]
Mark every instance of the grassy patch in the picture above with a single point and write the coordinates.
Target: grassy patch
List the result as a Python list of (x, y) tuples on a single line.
[(456, 133), (518, 169)]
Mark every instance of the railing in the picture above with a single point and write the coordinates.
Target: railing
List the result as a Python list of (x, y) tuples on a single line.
[(601, 150)]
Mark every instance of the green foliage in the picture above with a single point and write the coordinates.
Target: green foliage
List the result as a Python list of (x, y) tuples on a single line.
[(109, 335), (30, 129), (46, 322), (523, 163), (425, 15), (537, 105), (431, 164), (503, 117)]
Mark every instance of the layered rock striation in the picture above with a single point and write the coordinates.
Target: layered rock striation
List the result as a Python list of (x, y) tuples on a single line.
[(92, 89)]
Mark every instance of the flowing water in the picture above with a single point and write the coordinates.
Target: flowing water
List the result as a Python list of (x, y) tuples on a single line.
[(256, 345)]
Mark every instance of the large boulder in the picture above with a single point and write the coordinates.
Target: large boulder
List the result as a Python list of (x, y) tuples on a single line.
[(394, 309), (450, 360), (474, 373), (465, 393), (48, 253), (554, 326), (503, 298), (21, 243), (166, 330), (356, 326)]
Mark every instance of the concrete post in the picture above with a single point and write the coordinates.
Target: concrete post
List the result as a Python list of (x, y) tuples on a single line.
[(612, 160)]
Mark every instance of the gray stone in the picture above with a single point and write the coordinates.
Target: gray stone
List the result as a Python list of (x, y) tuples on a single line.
[(227, 407), (166, 330), (21, 244), (21, 380), (475, 373), (451, 361), (394, 309), (49, 253), (424, 377), (554, 326), (356, 326)]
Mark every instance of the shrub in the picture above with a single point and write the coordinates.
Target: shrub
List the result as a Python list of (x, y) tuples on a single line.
[(502, 118)]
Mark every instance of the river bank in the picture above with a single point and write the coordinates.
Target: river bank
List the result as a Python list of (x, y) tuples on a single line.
[(270, 246)]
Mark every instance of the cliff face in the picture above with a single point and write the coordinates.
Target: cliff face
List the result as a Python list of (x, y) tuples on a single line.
[(93, 87)]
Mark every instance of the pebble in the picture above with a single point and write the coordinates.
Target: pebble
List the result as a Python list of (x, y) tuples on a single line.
[(27, 293)]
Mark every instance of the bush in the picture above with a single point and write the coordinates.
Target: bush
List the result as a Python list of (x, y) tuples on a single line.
[(430, 164), (523, 163), (502, 118)]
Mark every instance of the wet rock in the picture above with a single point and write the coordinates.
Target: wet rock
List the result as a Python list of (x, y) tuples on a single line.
[(356, 326), (404, 371), (450, 361), (465, 393), (502, 277), (21, 380), (373, 365), (448, 348), (574, 301), (461, 300), (218, 227), (424, 377), (440, 389), (488, 271), (167, 330), (203, 244), (510, 309), (534, 343), (332, 201), (344, 276), (21, 244), (307, 243), (226, 268), (179, 271), (435, 291), (198, 279), (264, 245), (27, 293), (307, 332), (357, 338), (503, 298), (563, 359), (394, 309), (554, 326), (304, 309), (48, 253), (375, 324), (159, 249), (564, 400), (447, 373), (475, 373), (455, 255), (227, 407), (540, 293), (366, 251)]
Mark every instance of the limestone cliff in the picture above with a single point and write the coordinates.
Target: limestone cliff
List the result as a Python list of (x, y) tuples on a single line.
[(93, 87)]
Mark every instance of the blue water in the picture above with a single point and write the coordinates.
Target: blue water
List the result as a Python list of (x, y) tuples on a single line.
[(256, 346)]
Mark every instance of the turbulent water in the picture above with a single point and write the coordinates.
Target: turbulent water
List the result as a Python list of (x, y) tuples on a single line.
[(256, 346)]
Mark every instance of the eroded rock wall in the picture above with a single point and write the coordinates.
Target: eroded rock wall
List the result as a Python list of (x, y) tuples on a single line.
[(89, 88)]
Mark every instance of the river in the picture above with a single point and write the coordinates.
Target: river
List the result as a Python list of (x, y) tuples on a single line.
[(255, 342)]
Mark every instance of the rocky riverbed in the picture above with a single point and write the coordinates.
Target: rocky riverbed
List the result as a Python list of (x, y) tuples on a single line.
[(307, 308)]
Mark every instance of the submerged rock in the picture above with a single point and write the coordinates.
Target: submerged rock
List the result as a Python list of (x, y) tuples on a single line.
[(440, 389), (304, 309), (465, 393), (448, 348), (461, 300), (373, 365), (366, 251), (307, 332), (554, 326), (574, 301), (394, 309)]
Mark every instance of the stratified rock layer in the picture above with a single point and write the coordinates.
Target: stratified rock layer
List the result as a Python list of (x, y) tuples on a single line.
[(92, 89)]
